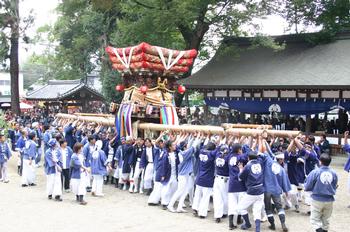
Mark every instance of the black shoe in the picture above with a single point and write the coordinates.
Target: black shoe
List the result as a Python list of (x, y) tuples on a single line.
[(284, 228), (164, 207), (218, 220), (32, 184), (224, 216), (272, 227), (319, 230), (24, 185), (308, 213), (88, 189), (116, 185), (149, 191), (195, 213), (201, 217), (239, 220), (49, 197), (77, 198), (232, 227), (58, 198), (152, 204)]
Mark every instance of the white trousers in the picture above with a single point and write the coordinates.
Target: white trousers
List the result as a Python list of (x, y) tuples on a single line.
[(220, 192), (320, 214), (148, 177), (308, 198), (28, 172), (155, 196), (201, 200), (181, 191), (78, 186), (97, 184), (168, 190), (247, 200), (3, 171), (233, 201), (134, 178), (54, 184), (116, 173)]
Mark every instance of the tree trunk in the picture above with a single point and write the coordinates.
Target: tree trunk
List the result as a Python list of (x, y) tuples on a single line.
[(14, 69)]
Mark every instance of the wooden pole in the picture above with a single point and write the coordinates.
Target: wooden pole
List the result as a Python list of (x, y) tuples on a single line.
[(249, 132), (252, 126)]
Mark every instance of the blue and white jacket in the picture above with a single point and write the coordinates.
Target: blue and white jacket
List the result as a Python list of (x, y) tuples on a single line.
[(5, 152), (323, 184)]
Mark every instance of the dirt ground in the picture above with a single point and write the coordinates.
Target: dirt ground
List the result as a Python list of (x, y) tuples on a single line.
[(28, 210)]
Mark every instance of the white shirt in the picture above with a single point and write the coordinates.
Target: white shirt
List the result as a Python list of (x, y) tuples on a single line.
[(64, 153), (149, 154), (172, 159)]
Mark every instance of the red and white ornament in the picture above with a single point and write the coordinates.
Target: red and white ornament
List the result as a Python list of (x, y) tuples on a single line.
[(119, 88), (143, 89), (181, 89)]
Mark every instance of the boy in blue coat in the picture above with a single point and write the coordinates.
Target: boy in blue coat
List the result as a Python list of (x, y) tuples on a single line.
[(204, 180), (253, 177), (322, 182), (276, 182), (65, 153), (5, 154)]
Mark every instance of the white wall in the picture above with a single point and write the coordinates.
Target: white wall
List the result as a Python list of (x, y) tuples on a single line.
[(5, 84)]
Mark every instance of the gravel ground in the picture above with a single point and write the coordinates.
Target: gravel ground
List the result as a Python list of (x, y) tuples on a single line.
[(28, 210)]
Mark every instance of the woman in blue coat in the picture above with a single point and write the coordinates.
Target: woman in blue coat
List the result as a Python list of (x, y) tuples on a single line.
[(79, 174)]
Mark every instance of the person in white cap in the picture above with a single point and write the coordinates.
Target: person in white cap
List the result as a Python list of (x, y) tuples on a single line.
[(98, 169), (29, 154), (53, 169)]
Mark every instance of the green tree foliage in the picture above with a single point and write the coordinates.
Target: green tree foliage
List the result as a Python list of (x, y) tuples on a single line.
[(333, 16), (13, 28)]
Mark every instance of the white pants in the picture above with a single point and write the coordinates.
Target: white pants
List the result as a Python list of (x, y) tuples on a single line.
[(155, 196), (247, 200), (320, 214), (220, 192), (181, 191), (148, 177), (116, 173), (134, 178), (97, 184), (201, 200), (233, 201), (168, 190), (3, 171), (54, 184), (78, 186), (28, 172), (308, 198)]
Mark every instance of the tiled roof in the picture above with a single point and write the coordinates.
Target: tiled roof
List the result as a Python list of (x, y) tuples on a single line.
[(59, 89), (299, 65)]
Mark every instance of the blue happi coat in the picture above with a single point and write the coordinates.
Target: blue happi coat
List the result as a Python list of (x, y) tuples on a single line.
[(275, 177), (68, 156), (99, 162), (206, 169), (323, 184), (75, 166), (51, 160), (5, 152), (30, 150), (87, 152), (253, 177), (165, 167), (347, 150), (235, 184)]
